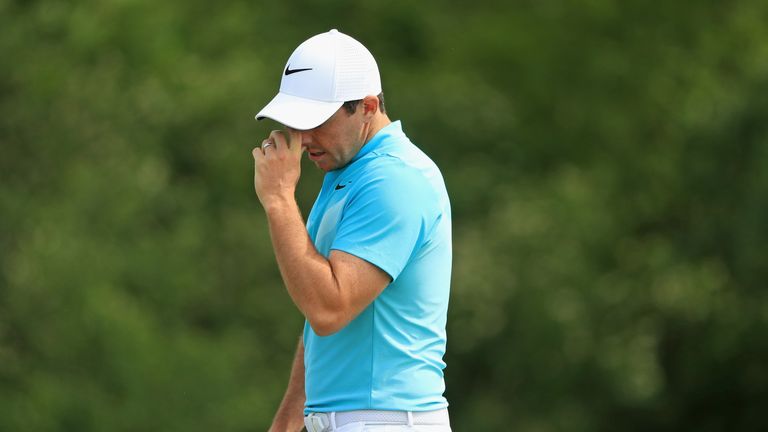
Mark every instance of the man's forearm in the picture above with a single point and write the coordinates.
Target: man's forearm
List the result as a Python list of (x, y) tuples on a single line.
[(308, 275), (290, 415)]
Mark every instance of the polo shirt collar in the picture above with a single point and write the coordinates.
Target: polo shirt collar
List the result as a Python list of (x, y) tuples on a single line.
[(381, 140)]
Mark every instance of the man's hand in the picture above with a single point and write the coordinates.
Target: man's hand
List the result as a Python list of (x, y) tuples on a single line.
[(277, 167)]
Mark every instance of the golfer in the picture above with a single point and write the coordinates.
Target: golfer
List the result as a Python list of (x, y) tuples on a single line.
[(371, 269)]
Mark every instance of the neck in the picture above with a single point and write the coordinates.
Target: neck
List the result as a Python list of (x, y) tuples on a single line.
[(379, 122)]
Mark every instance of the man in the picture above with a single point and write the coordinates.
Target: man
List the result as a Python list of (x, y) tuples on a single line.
[(371, 269)]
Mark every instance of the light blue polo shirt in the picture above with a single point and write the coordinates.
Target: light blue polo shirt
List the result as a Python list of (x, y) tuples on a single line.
[(388, 206)]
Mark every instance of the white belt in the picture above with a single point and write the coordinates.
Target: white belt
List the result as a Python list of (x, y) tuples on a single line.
[(322, 422)]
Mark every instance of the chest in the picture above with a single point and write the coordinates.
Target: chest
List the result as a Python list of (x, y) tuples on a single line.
[(326, 215)]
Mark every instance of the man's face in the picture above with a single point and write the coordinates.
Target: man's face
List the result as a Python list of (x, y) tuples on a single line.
[(334, 143)]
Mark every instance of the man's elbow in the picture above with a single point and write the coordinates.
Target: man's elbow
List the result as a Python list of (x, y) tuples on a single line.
[(327, 323)]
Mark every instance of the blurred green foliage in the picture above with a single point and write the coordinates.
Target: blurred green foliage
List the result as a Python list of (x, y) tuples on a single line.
[(607, 162)]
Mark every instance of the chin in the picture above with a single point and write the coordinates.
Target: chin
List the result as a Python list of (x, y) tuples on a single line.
[(324, 166)]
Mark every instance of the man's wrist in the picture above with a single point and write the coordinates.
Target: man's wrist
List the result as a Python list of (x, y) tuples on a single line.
[(277, 207), (285, 423)]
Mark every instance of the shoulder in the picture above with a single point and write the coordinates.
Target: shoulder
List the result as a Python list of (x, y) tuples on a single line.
[(394, 174), (396, 188)]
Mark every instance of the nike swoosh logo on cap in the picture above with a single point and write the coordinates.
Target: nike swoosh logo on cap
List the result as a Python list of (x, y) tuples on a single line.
[(289, 71)]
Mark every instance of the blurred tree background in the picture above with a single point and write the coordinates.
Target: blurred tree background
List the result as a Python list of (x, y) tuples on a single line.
[(608, 167)]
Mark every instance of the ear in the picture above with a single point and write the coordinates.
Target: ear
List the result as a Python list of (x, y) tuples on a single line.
[(370, 107)]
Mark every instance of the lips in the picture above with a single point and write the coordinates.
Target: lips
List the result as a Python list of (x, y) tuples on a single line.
[(315, 155)]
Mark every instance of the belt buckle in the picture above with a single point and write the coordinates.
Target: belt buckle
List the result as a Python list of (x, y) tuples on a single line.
[(319, 422)]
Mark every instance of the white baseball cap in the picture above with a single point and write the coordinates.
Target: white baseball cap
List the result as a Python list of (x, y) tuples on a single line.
[(324, 71)]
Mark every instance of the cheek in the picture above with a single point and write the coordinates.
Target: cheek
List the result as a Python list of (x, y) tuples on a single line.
[(325, 142)]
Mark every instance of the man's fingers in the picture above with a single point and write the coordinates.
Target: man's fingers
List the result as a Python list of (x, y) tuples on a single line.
[(280, 141), (278, 138), (268, 146), (294, 138)]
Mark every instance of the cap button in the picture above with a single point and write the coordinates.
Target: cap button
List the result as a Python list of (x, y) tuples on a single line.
[(333, 31)]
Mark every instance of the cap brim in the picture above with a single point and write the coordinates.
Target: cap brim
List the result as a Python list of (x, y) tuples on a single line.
[(298, 113)]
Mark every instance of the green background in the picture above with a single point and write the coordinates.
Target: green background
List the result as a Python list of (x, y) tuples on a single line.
[(607, 163)]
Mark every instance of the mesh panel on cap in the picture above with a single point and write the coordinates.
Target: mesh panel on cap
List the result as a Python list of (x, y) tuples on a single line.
[(356, 73)]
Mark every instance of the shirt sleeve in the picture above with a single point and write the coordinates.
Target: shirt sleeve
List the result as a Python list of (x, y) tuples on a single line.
[(384, 221)]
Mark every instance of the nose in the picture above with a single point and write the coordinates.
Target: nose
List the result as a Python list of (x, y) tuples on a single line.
[(306, 139)]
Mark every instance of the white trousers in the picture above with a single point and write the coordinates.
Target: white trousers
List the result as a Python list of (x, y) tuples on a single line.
[(378, 421), (361, 427)]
